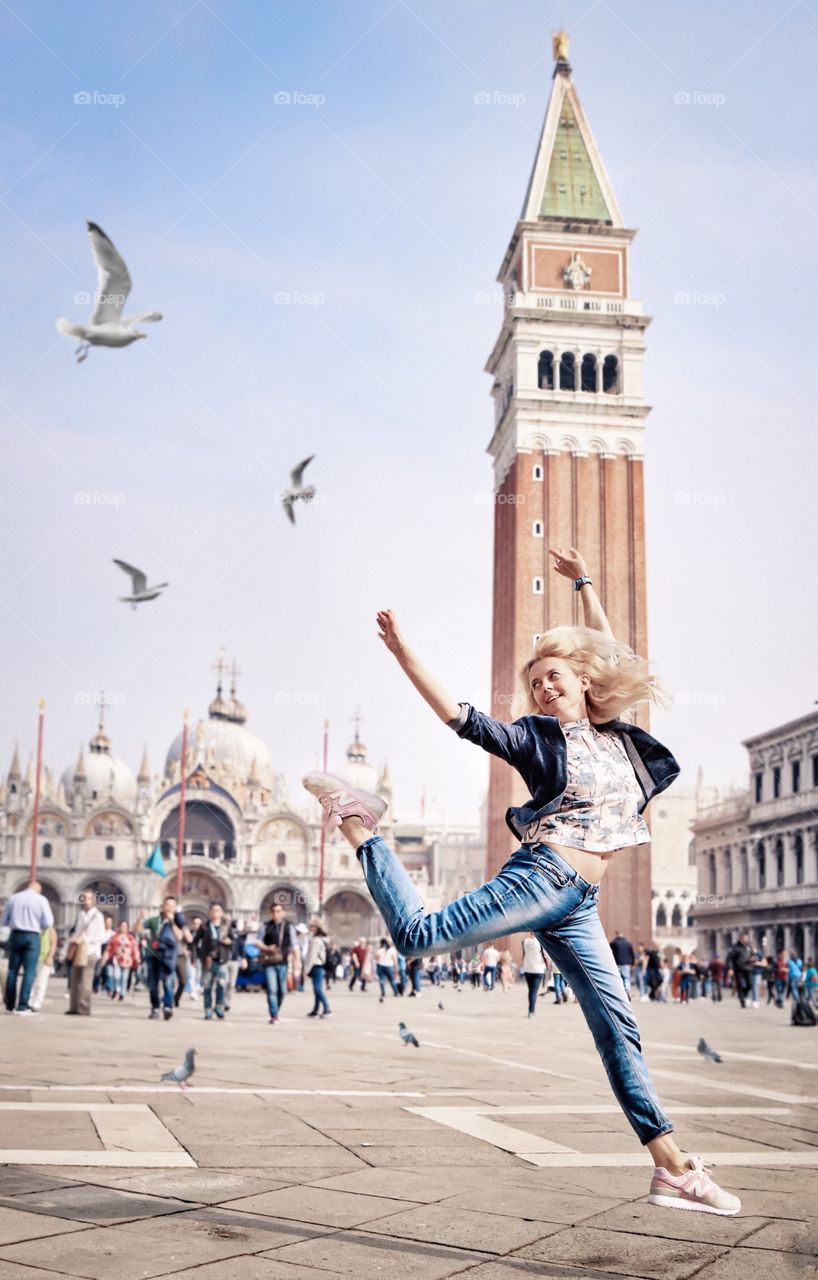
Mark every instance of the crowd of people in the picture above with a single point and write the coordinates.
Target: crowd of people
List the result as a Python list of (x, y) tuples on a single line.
[(167, 956)]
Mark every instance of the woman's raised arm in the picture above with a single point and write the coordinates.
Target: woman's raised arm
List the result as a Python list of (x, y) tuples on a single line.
[(570, 563), (438, 699)]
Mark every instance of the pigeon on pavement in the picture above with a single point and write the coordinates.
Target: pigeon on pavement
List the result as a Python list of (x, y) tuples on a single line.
[(707, 1052), (107, 326), (181, 1075), (406, 1035)]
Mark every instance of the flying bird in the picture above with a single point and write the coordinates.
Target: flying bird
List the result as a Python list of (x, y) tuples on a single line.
[(140, 591), (108, 327), (406, 1035), (707, 1052), (181, 1075), (297, 489)]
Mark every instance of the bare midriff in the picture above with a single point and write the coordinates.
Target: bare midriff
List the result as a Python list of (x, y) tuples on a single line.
[(591, 866)]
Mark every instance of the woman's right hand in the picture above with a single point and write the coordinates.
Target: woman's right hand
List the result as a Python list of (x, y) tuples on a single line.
[(569, 562), (389, 631)]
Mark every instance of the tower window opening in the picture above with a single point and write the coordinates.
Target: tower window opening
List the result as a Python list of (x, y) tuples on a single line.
[(545, 371), (536, 474), (588, 373), (538, 586), (610, 375), (568, 372), (537, 529)]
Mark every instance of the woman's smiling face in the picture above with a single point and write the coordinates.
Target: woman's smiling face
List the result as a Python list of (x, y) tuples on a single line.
[(557, 690)]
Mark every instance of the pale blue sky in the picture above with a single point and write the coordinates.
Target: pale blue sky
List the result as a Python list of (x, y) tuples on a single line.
[(389, 204)]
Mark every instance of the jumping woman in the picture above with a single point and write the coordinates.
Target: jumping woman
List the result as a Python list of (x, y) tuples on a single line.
[(590, 776)]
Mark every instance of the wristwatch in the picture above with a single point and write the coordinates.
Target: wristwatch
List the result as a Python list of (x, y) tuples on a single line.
[(579, 583)]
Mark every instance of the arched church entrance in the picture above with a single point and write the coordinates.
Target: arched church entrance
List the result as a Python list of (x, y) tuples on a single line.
[(349, 916), (109, 897), (209, 832), (200, 887), (293, 900)]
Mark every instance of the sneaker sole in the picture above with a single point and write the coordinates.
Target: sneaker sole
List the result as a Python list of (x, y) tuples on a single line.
[(670, 1202)]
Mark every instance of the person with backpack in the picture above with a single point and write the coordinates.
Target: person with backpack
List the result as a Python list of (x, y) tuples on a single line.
[(165, 934), (740, 961)]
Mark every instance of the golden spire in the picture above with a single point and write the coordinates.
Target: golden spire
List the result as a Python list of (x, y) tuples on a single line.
[(559, 46)]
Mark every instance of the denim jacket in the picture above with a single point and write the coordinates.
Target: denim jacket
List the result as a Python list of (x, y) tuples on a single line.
[(535, 747)]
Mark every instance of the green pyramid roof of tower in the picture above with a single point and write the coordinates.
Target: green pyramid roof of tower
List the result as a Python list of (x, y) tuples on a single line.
[(572, 189)]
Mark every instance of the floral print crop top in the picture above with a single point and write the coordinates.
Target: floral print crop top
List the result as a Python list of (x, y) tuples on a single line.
[(600, 808)]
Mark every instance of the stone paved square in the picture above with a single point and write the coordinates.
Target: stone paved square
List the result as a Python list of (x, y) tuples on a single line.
[(495, 1150)]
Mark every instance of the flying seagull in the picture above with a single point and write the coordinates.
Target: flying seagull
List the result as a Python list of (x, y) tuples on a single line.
[(706, 1051), (406, 1035), (297, 488), (140, 591), (181, 1075), (107, 326)]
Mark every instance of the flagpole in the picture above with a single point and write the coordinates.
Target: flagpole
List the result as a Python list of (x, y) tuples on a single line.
[(323, 833), (180, 835), (36, 818)]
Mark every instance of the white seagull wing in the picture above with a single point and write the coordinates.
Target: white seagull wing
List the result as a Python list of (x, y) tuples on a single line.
[(113, 278), (297, 474), (140, 317), (138, 579)]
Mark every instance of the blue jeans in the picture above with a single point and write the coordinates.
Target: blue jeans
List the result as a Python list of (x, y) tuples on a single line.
[(537, 890), (559, 987), (625, 970), (160, 976), (24, 952), (275, 980), (384, 973), (317, 975), (216, 976)]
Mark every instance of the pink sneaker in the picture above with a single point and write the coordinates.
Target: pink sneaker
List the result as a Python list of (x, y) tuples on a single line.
[(340, 800), (694, 1189)]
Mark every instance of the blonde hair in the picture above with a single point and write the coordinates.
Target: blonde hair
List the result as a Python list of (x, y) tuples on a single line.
[(619, 677)]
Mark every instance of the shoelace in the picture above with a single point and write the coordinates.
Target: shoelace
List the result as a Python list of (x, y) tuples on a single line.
[(703, 1181)]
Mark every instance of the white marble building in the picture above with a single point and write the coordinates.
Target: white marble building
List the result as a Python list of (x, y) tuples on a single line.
[(246, 841)]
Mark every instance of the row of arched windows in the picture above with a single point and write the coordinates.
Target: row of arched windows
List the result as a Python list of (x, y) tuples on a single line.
[(770, 873), (573, 372), (676, 917)]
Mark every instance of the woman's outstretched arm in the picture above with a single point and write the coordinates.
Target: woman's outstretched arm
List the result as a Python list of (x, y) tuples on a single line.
[(442, 703), (571, 564)]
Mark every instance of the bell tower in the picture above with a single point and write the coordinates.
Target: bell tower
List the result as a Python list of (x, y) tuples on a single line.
[(568, 439)]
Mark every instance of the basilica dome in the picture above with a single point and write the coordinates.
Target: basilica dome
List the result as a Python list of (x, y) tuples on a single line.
[(106, 777), (225, 747), (357, 770)]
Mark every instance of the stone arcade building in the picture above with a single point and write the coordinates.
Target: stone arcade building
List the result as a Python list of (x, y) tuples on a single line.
[(756, 852)]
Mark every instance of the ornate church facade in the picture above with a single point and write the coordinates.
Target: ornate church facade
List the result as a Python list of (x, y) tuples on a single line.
[(246, 844)]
